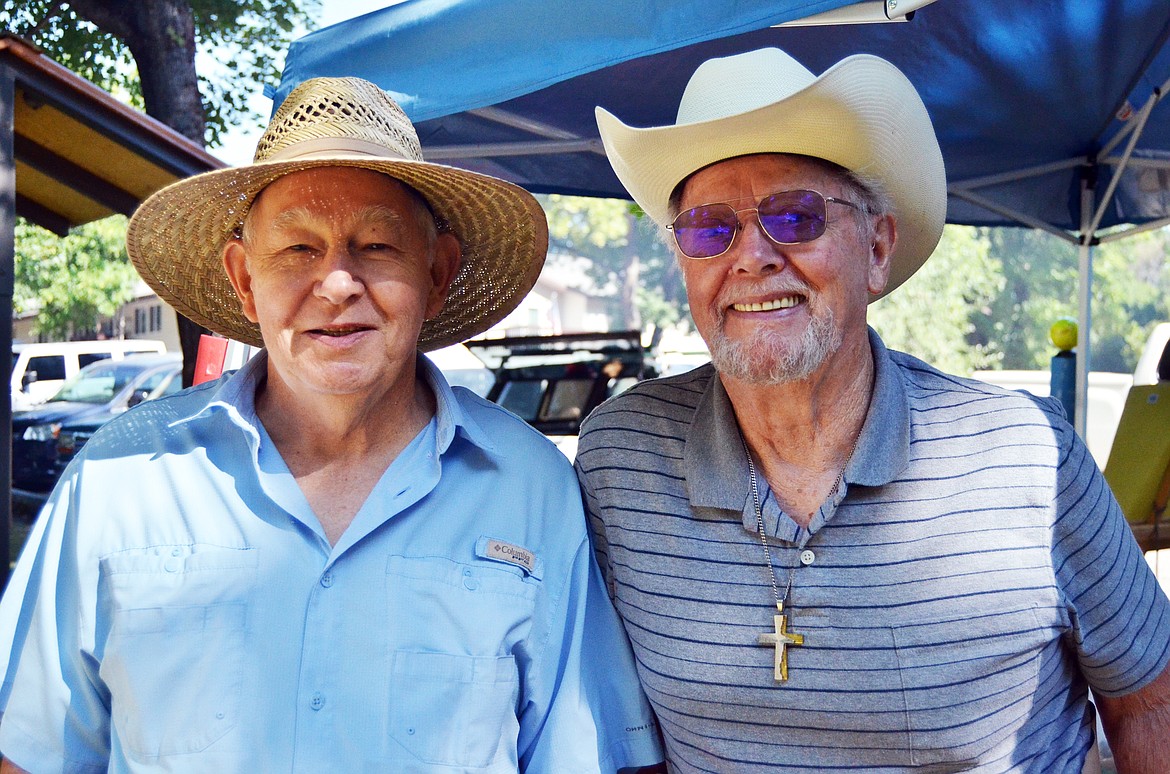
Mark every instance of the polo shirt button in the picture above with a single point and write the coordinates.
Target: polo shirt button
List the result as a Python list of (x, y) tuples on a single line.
[(172, 565), (327, 579), (318, 701), (807, 557)]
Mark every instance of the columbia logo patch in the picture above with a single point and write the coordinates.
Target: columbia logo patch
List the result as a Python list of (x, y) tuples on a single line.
[(490, 548)]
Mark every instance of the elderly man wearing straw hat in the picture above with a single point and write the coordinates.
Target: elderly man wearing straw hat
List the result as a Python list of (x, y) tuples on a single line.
[(330, 560), (828, 555)]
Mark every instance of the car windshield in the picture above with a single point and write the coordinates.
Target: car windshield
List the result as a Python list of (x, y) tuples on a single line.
[(98, 383)]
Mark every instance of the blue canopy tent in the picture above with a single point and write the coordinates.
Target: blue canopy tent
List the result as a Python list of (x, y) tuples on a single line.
[(1049, 112)]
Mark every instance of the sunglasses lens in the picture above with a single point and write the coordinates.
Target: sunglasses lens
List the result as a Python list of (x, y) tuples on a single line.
[(793, 216), (704, 232)]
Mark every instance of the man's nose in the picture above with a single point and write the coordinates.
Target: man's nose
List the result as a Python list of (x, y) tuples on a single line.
[(753, 252), (340, 278)]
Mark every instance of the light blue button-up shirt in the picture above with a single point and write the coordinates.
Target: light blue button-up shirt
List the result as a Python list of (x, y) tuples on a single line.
[(179, 608)]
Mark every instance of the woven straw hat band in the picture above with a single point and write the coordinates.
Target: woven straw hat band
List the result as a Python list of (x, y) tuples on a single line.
[(347, 114), (331, 147)]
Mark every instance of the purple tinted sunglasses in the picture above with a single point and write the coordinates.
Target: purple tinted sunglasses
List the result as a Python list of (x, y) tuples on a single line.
[(787, 217)]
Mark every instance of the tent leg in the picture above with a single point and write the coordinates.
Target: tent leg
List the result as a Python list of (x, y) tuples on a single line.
[(1085, 322), (1084, 304), (7, 272)]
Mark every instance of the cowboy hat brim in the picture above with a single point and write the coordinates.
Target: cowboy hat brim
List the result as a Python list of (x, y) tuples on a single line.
[(861, 114)]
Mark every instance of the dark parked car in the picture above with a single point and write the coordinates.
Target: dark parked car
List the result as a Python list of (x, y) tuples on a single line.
[(553, 382), (45, 438)]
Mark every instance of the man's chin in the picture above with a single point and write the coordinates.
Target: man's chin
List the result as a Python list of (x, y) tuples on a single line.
[(773, 360)]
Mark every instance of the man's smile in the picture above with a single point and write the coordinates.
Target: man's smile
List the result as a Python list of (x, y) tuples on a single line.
[(337, 331), (784, 302)]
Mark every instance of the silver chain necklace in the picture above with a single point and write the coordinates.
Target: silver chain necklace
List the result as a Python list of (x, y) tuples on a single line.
[(781, 637)]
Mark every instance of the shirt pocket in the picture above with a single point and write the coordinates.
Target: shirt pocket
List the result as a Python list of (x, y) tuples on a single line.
[(968, 681), (453, 710), (173, 658)]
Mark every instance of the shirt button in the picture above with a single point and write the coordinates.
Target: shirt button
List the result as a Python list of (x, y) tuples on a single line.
[(172, 565), (318, 701), (327, 579), (807, 557)]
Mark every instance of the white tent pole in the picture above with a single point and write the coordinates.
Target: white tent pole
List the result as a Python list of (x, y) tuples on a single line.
[(1018, 174), (500, 116), (1084, 306), (500, 149), (1135, 135), (1009, 212), (1153, 99), (1153, 225)]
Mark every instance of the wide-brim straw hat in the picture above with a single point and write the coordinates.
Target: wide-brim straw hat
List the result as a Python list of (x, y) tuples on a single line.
[(862, 114), (176, 237)]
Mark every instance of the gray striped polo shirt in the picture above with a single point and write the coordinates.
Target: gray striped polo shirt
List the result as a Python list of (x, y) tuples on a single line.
[(969, 582)]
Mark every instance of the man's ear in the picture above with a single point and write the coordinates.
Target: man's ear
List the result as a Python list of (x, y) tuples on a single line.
[(444, 266), (235, 263), (885, 236)]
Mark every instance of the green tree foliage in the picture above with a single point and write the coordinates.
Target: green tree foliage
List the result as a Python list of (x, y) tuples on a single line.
[(1131, 293), (238, 42), (628, 260), (1039, 285), (985, 299), (73, 281), (930, 315), (146, 50)]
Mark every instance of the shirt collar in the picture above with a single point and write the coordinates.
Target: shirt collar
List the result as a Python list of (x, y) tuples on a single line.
[(450, 416), (714, 460), (883, 448), (236, 399)]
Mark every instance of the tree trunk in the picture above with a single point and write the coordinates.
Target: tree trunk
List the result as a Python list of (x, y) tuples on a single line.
[(631, 317), (161, 36)]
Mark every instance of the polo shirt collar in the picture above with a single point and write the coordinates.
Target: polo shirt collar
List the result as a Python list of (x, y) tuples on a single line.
[(715, 463), (883, 448)]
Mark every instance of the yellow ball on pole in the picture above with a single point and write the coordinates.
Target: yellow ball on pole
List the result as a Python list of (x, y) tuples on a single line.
[(1064, 333)]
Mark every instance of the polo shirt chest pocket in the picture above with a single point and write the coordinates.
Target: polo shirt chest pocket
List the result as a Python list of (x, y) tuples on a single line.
[(969, 682), (455, 684), (173, 652)]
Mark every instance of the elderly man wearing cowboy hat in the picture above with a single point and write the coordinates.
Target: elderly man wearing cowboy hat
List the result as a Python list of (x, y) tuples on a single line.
[(830, 556), (330, 560)]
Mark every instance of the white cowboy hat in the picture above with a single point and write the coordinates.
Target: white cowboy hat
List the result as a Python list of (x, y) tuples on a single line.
[(862, 114), (176, 237)]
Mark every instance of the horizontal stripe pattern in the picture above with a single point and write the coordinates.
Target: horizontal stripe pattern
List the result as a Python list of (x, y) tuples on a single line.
[(951, 616)]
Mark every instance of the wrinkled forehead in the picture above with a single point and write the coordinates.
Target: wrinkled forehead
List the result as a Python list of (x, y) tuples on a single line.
[(796, 170), (336, 194)]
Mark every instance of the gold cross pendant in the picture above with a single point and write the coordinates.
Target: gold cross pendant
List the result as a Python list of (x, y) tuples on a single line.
[(780, 639)]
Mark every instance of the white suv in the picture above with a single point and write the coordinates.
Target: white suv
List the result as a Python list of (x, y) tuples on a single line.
[(38, 370)]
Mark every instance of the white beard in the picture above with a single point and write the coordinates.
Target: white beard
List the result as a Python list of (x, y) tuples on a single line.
[(768, 358)]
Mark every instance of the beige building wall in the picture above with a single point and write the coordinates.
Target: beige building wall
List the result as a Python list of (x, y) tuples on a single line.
[(145, 317)]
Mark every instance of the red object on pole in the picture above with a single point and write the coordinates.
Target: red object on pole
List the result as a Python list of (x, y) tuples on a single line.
[(209, 361)]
